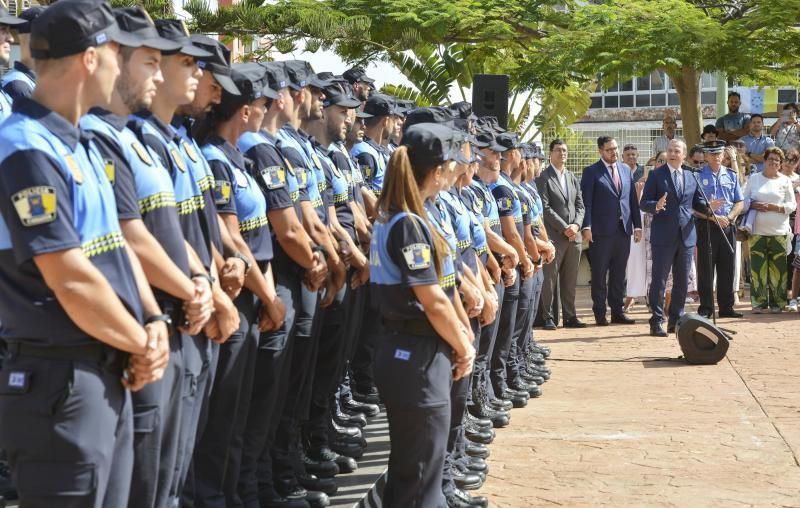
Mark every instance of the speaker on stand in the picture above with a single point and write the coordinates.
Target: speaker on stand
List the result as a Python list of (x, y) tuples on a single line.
[(490, 96)]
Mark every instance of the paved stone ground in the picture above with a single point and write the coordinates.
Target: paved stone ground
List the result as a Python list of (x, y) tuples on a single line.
[(615, 429)]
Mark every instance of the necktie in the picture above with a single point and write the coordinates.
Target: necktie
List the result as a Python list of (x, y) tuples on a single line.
[(615, 177), (678, 177)]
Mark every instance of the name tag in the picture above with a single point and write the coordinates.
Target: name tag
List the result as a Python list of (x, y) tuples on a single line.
[(402, 354)]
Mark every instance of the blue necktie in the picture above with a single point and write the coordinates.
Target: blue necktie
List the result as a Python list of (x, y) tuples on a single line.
[(678, 182)]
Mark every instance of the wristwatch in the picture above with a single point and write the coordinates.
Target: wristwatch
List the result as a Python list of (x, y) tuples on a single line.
[(159, 317), (205, 276), (247, 264)]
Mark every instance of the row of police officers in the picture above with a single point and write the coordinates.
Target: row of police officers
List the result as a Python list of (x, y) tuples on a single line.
[(213, 273)]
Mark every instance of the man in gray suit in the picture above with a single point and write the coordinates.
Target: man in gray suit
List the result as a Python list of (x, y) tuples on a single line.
[(563, 215)]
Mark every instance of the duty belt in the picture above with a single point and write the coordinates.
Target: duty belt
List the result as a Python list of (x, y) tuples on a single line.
[(112, 359), (421, 327)]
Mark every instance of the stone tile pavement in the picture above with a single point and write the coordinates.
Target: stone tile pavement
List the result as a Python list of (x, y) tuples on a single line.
[(615, 428)]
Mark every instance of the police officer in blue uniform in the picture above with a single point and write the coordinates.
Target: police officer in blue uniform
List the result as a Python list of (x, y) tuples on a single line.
[(59, 225), (20, 80), (426, 339), (7, 22), (243, 208)]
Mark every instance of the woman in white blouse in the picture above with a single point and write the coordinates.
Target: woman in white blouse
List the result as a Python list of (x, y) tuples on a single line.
[(771, 195)]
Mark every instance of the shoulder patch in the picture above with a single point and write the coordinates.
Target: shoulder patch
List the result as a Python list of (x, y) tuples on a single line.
[(110, 169), (302, 178), (178, 160), (417, 255), (190, 151), (35, 205), (142, 153), (74, 169), (504, 204), (366, 170), (274, 177), (289, 166), (222, 192)]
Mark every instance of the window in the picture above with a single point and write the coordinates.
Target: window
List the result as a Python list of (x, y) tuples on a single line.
[(654, 90)]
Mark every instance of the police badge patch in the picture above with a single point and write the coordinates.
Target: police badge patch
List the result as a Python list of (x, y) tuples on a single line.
[(178, 160), (417, 255), (504, 204), (142, 153), (222, 192), (366, 170), (110, 169), (35, 205), (274, 177)]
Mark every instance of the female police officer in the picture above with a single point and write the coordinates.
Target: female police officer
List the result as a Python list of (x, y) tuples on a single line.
[(424, 344)]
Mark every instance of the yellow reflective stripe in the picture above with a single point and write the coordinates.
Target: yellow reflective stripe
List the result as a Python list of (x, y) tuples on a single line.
[(160, 200), (103, 244), (254, 223)]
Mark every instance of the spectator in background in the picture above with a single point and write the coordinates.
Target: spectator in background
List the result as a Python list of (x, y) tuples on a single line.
[(770, 193), (733, 125), (670, 126), (630, 156), (784, 131), (756, 142), (696, 157), (789, 168), (710, 133)]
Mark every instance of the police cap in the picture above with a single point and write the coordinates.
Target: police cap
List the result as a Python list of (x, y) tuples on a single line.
[(462, 110), (175, 30), (28, 15), (486, 139), (380, 105), (250, 78), (69, 27), (9, 20), (300, 74), (714, 146), (136, 22), (275, 75), (435, 114), (357, 74), (431, 144), (509, 140), (336, 96), (218, 63)]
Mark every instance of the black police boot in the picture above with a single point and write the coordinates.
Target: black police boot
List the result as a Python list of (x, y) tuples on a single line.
[(501, 404), (477, 465), (292, 490), (352, 450), (313, 483), (538, 348), (483, 423), (466, 481), (345, 464), (354, 406), (319, 466), (530, 378), (367, 394), (354, 431), (540, 371), (532, 390), (460, 499), (481, 409), (274, 500), (477, 450), (477, 435), (348, 420), (518, 399)]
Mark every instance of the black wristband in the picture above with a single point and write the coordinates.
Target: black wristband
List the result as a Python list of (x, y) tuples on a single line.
[(159, 317), (247, 264), (205, 276)]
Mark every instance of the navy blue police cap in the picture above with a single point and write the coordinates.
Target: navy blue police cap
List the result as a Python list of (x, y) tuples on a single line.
[(714, 146), (218, 63), (431, 144), (434, 114), (9, 20), (175, 30), (251, 80), (28, 15), (509, 140), (357, 74), (380, 104), (300, 74), (135, 21), (462, 110), (486, 139), (69, 27), (336, 96), (275, 74)]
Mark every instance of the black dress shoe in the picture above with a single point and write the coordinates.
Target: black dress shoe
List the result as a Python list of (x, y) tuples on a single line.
[(313, 483), (657, 331), (466, 481), (477, 450), (622, 319), (730, 313), (601, 321), (355, 406), (671, 329), (367, 394), (320, 467), (549, 325), (574, 323)]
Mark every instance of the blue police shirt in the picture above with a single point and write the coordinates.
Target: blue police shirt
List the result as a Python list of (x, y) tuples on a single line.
[(142, 187), (440, 218), (340, 188), (236, 192), (721, 185), (5, 106), (475, 208), (401, 256), (757, 146), (54, 196), (508, 203), (486, 202), (372, 162), (292, 147), (19, 81), (462, 227)]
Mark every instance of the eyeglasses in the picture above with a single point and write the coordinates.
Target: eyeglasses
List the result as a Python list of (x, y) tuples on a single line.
[(774, 159), (792, 159), (661, 161)]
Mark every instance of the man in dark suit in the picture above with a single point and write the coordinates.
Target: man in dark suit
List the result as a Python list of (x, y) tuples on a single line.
[(563, 215), (670, 193), (612, 215)]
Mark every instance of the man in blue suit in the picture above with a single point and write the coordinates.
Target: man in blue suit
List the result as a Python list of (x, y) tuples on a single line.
[(612, 215), (670, 194)]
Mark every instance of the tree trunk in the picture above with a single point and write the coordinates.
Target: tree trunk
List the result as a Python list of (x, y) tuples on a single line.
[(687, 83)]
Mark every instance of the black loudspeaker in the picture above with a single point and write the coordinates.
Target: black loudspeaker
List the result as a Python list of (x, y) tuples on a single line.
[(702, 343), (490, 96)]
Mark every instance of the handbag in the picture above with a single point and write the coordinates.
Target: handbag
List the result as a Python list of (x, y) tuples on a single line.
[(744, 225)]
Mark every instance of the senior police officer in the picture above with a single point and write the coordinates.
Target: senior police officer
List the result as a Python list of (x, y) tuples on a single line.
[(66, 268), (721, 186)]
